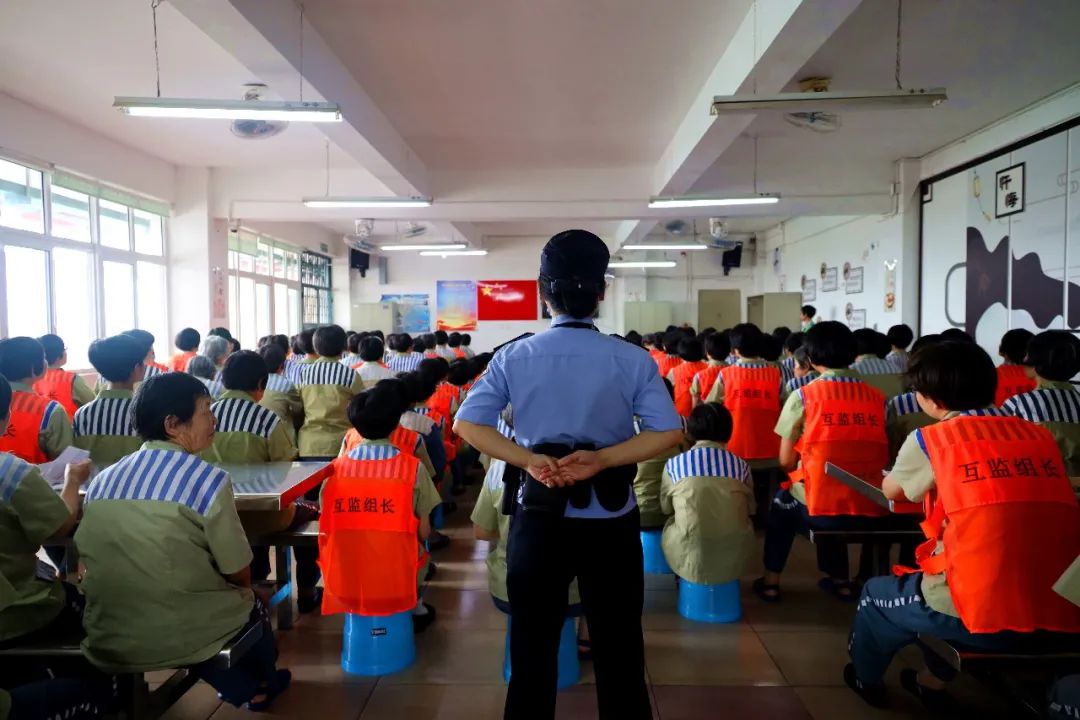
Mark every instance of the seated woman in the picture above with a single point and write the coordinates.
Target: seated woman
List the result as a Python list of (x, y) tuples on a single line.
[(708, 498), (203, 369), (647, 481), (168, 577), (1002, 527)]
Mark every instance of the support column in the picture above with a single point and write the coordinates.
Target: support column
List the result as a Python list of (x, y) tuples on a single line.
[(198, 254)]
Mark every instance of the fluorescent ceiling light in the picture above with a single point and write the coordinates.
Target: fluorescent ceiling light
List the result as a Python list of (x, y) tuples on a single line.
[(228, 109), (453, 253), (694, 246), (367, 202), (643, 264), (831, 101), (689, 202), (430, 246)]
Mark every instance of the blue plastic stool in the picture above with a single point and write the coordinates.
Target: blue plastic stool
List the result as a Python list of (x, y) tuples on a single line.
[(378, 645), (437, 519), (569, 666), (710, 603), (655, 562)]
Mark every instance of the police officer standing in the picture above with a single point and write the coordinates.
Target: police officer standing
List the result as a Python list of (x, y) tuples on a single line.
[(575, 394)]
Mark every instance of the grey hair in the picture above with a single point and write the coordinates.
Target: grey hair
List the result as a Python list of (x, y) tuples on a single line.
[(202, 367), (215, 348)]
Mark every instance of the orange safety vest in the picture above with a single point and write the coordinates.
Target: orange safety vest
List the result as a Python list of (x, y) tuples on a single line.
[(684, 376), (402, 438), (706, 379), (1008, 519), (667, 363), (439, 404), (1012, 380), (159, 366), (368, 549), (752, 395), (844, 424), (57, 385), (459, 353), (179, 361), (22, 438)]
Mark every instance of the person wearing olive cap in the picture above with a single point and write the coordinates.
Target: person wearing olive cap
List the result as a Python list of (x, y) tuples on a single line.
[(575, 393)]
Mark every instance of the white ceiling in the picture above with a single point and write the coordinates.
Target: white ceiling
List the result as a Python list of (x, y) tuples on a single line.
[(523, 118)]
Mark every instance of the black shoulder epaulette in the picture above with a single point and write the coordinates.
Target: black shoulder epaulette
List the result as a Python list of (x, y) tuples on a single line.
[(511, 342)]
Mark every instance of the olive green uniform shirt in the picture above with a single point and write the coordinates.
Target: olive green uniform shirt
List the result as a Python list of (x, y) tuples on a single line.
[(899, 425), (647, 487), (104, 428), (81, 392), (57, 435), (326, 392), (158, 536), (487, 515), (790, 423), (247, 432), (30, 513), (1067, 434), (695, 388), (708, 536), (890, 384), (288, 406), (1068, 585)]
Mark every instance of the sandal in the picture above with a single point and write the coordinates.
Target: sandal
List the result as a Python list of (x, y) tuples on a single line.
[(843, 590), (282, 680), (768, 593)]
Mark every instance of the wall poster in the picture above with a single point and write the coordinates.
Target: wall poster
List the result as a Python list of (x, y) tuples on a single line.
[(413, 312), (853, 279), (455, 305), (829, 278), (890, 286), (809, 290), (506, 299)]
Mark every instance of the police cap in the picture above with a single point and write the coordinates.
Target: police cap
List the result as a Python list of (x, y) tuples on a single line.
[(575, 259)]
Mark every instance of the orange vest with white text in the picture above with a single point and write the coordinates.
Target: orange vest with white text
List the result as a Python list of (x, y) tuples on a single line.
[(26, 419), (369, 552), (402, 438), (844, 424), (706, 379), (1012, 380), (684, 376), (1007, 517), (57, 385), (752, 395)]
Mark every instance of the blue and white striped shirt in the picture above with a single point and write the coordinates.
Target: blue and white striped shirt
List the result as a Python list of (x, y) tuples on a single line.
[(873, 365), (327, 373), (902, 405), (1045, 405), (12, 472), (171, 476), (404, 362), (236, 414), (105, 416), (707, 461), (279, 383)]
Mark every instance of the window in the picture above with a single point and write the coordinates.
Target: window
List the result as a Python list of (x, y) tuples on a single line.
[(281, 309), (262, 258), (73, 272), (27, 285), (21, 205), (278, 262), (245, 331), (315, 283), (262, 310), (258, 306), (79, 260)]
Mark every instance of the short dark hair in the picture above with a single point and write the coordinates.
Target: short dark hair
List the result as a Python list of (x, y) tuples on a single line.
[(746, 338), (329, 341), (709, 421), (460, 372), (808, 310), (718, 346), (466, 339), (454, 340), (272, 356), (771, 349), (22, 358), (402, 343), (419, 385), (419, 345), (831, 344), (481, 362), (691, 350), (794, 341), (376, 412), (441, 337), (168, 394), (1055, 355), (116, 358), (781, 333), (956, 375), (436, 368), (956, 335), (371, 349), (429, 340), (633, 337), (221, 332), (145, 339), (871, 342), (352, 342), (187, 339), (305, 340), (1014, 345), (671, 342), (246, 371), (925, 341), (577, 302), (281, 341), (378, 334), (802, 357), (54, 347), (900, 336), (5, 398)]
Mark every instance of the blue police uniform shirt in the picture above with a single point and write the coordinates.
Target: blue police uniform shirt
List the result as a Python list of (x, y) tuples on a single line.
[(573, 386)]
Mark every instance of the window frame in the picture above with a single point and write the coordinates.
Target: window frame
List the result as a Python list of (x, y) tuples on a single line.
[(98, 254), (234, 273)]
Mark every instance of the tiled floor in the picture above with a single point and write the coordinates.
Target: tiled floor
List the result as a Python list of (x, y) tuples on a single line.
[(782, 661)]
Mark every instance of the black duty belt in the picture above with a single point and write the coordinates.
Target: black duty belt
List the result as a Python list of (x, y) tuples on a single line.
[(613, 486)]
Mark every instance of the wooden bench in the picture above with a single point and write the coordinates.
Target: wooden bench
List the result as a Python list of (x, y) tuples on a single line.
[(137, 701), (307, 535), (1001, 668)]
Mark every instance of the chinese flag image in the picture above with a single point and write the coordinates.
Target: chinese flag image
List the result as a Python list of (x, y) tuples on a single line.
[(506, 299)]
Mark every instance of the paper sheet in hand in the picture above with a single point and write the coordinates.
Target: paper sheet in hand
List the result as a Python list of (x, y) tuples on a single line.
[(53, 472)]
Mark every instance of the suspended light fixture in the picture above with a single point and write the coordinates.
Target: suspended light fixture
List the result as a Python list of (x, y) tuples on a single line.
[(642, 264), (453, 253), (691, 246), (367, 202), (429, 246), (657, 203)]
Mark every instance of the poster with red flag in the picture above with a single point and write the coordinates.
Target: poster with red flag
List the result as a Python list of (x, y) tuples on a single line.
[(506, 299)]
